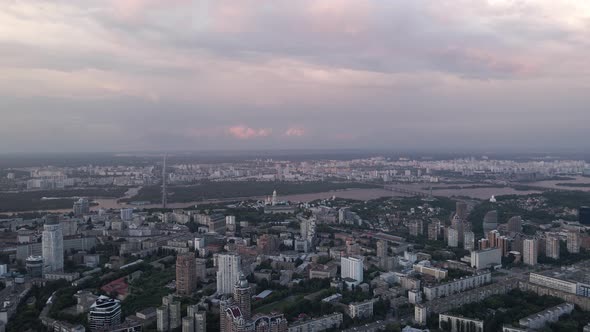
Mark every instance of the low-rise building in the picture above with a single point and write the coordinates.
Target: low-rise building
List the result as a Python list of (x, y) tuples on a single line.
[(62, 275), (486, 258), (332, 321), (323, 271), (361, 309), (436, 291), (420, 314), (457, 323), (572, 280), (439, 274), (538, 320)]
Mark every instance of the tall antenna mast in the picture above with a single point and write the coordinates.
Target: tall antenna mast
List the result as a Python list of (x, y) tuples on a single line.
[(164, 193)]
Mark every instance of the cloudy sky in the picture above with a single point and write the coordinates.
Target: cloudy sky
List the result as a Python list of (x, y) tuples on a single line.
[(121, 75)]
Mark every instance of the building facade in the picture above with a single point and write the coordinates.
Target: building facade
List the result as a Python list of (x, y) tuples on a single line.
[(552, 247), (352, 267), (483, 259), (361, 309), (104, 314), (540, 319), (432, 292), (229, 267), (530, 252), (573, 242), (195, 320), (168, 315), (459, 324), (332, 321), (186, 270), (53, 246)]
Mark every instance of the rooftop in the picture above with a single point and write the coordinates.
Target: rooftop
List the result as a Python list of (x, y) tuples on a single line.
[(576, 273)]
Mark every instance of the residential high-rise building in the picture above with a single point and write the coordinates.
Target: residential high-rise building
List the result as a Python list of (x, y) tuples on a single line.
[(201, 321), (126, 214), (308, 233), (483, 259), (104, 314), (69, 227), (235, 314), (573, 242), (416, 227), (34, 265), (483, 244), (434, 229), (490, 221), (345, 216), (461, 210), (186, 270), (195, 320), (503, 244), (188, 324), (352, 267), (268, 244), (515, 224), (228, 272), (493, 237), (201, 269), (552, 247), (530, 252), (81, 207), (453, 238), (168, 316), (242, 297), (467, 226), (541, 245), (458, 225), (382, 249), (517, 242), (162, 319), (385, 261), (53, 245), (469, 241)]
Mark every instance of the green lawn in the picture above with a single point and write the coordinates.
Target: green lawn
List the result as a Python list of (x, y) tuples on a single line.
[(148, 290), (279, 305)]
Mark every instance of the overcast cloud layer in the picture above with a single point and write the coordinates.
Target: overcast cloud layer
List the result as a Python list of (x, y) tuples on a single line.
[(126, 75)]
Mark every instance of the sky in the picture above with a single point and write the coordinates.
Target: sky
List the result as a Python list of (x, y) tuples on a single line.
[(141, 75)]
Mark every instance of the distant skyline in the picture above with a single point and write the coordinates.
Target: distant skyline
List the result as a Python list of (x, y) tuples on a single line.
[(170, 75)]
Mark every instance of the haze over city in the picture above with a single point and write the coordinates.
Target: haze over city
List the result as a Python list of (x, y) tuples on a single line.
[(128, 75)]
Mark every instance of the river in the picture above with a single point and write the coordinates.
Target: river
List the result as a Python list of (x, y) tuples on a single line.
[(357, 194), (552, 184)]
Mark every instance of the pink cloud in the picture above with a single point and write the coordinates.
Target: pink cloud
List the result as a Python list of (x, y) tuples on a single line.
[(295, 132), (244, 132)]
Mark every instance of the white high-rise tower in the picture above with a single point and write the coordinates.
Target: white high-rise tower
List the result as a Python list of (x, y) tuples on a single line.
[(352, 267), (229, 267), (53, 245), (530, 252)]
